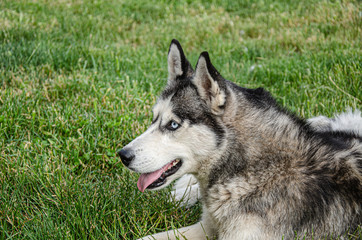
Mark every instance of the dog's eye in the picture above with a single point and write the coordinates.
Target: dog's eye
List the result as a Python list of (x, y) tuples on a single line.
[(172, 125)]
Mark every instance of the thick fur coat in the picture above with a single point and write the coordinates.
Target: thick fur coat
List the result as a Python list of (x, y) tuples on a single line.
[(263, 173)]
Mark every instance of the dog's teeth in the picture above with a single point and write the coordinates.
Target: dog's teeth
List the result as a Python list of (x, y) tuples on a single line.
[(174, 163)]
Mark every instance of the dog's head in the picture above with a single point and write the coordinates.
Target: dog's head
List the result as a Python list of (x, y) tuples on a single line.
[(186, 127)]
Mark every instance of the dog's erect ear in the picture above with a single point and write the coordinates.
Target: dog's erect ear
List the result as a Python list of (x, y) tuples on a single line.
[(178, 65), (210, 85)]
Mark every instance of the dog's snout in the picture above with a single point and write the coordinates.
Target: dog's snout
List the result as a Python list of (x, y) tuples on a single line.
[(126, 156)]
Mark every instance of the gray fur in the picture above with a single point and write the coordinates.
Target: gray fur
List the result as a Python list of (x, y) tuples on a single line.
[(263, 173)]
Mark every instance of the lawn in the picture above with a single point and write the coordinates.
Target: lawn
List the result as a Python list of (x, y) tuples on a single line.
[(78, 80)]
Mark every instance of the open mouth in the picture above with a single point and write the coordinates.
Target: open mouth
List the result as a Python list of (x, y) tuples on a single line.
[(158, 178)]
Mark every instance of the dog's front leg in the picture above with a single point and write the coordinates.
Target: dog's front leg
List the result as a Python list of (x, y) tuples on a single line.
[(194, 232)]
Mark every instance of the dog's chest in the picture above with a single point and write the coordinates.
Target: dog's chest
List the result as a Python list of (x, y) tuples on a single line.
[(222, 200)]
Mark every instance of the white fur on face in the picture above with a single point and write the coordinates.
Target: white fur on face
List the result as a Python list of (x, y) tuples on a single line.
[(158, 146)]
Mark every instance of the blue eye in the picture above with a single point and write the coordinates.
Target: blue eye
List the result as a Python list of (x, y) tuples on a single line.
[(172, 125)]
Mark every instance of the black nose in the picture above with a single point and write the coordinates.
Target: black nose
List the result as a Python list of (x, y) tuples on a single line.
[(126, 156)]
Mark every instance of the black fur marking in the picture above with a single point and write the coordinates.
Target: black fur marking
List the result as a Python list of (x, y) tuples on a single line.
[(263, 100), (259, 97), (187, 105), (155, 119), (181, 84), (211, 69), (197, 114), (338, 138)]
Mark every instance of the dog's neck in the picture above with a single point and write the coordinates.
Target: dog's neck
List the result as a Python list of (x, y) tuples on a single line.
[(269, 138)]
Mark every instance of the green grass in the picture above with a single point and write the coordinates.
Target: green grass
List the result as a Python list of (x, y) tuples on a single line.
[(78, 80)]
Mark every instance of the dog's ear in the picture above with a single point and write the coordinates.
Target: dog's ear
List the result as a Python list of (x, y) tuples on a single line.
[(178, 66), (210, 84)]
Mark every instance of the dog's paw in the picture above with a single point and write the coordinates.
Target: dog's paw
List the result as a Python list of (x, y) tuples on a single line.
[(186, 191)]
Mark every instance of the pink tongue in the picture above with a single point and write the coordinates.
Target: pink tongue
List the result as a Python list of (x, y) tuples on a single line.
[(147, 179)]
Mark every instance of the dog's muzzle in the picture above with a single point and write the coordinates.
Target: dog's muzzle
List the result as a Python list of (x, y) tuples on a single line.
[(126, 156)]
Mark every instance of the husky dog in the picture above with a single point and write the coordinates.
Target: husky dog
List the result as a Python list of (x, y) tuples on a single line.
[(262, 172)]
